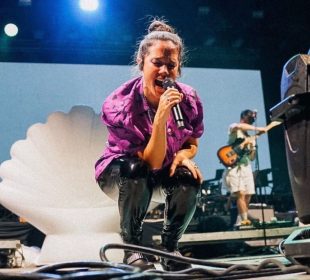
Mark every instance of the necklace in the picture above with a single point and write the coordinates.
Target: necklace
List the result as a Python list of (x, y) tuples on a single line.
[(151, 114), (150, 110)]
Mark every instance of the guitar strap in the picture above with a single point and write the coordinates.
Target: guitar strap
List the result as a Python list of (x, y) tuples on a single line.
[(235, 139), (235, 135)]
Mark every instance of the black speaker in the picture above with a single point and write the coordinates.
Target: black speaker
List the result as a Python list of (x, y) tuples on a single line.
[(295, 76), (294, 110)]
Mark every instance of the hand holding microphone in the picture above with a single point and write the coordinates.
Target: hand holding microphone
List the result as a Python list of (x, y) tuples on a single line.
[(176, 109)]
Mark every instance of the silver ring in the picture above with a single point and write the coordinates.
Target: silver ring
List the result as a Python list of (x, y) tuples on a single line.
[(193, 164)]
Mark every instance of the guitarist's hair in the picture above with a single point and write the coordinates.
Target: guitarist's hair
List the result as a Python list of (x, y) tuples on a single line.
[(246, 113)]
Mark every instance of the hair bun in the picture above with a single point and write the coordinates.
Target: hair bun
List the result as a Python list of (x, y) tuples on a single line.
[(158, 25)]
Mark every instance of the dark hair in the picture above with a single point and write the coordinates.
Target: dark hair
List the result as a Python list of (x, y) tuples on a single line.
[(159, 30), (246, 113), (248, 116)]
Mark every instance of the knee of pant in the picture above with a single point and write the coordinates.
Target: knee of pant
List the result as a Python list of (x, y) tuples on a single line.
[(183, 176), (133, 168)]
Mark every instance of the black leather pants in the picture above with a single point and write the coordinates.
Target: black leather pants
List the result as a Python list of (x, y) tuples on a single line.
[(130, 181)]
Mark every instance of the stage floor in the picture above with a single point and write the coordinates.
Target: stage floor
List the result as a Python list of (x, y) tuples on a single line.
[(204, 243), (251, 260)]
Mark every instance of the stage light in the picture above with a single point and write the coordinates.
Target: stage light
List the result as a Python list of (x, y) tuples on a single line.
[(89, 5), (11, 29), (25, 3), (203, 10)]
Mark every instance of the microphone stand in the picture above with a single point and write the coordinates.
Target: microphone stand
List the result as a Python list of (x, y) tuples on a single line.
[(256, 168), (262, 196)]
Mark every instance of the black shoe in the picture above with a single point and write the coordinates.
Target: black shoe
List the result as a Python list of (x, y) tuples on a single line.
[(171, 265), (137, 260)]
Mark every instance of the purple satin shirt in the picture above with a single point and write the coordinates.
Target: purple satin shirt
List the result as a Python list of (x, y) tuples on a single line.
[(129, 118)]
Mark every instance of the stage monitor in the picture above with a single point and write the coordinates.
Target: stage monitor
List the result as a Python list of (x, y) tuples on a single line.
[(295, 93), (295, 76)]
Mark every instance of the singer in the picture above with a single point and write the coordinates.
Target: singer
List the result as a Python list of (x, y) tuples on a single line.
[(148, 156)]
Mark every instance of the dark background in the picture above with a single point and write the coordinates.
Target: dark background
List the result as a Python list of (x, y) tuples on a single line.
[(248, 34)]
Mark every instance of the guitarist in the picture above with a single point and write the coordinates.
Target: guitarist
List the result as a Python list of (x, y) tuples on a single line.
[(239, 179)]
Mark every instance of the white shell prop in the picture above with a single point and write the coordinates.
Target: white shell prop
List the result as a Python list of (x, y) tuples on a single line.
[(50, 182)]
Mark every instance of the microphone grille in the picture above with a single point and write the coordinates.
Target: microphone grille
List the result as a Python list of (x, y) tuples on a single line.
[(168, 82)]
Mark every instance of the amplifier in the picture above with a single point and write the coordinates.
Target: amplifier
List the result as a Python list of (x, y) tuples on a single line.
[(256, 213), (10, 256), (297, 246)]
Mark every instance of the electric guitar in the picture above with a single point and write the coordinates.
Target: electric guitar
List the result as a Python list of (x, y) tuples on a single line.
[(230, 155)]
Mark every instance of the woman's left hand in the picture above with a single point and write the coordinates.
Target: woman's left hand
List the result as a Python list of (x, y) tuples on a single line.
[(191, 165)]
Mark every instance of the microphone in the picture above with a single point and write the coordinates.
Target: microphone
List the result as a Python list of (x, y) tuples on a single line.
[(254, 113), (177, 113)]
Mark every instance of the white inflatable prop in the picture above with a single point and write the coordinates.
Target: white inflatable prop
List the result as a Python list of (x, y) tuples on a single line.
[(50, 182)]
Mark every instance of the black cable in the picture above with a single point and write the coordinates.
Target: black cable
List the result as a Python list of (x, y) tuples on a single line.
[(84, 270), (234, 272), (266, 268), (281, 247), (28, 276), (53, 268), (89, 270), (100, 275), (151, 251)]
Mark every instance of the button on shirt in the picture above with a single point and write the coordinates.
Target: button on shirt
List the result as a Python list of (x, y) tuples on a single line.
[(129, 118)]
